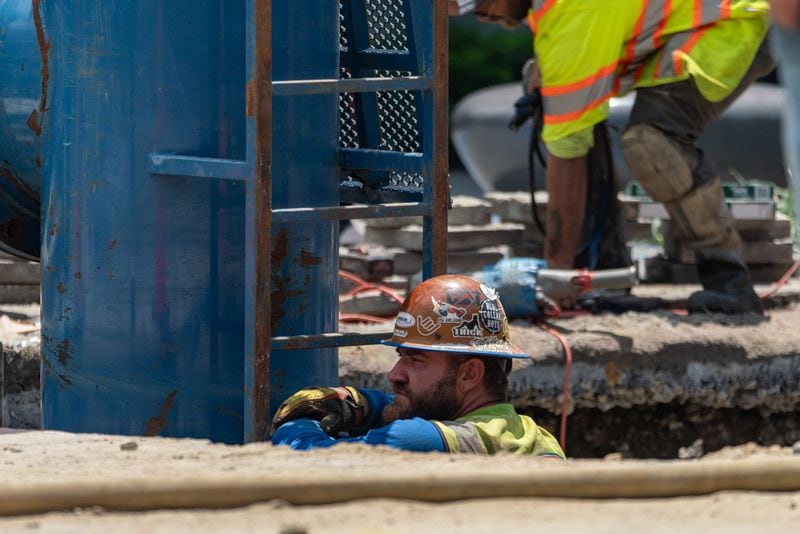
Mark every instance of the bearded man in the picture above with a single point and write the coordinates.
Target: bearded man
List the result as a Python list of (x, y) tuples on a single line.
[(450, 384)]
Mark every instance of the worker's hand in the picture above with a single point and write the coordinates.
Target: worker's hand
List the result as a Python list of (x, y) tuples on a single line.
[(338, 410), (786, 13)]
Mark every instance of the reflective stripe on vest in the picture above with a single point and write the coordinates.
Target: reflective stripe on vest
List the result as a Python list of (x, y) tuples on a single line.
[(540, 8), (461, 437), (568, 102)]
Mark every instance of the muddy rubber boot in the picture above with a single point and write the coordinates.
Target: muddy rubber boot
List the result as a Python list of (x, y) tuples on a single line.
[(726, 285)]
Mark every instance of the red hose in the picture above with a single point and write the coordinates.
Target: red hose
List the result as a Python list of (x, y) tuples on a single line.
[(565, 387), (780, 283), (363, 285)]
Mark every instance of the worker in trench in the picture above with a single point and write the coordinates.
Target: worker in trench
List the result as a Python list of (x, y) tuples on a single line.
[(688, 60), (450, 384)]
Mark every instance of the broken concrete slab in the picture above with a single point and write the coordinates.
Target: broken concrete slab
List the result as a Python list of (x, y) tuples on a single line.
[(464, 210), (779, 228), (19, 293), (369, 302), (468, 210), (408, 262), (515, 206), (370, 262), (19, 272), (459, 238), (753, 252)]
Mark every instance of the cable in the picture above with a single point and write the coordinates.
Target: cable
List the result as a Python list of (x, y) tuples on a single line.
[(565, 387), (363, 318), (363, 285), (780, 283)]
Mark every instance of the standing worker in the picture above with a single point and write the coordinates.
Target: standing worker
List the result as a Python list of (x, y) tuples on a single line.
[(786, 14), (450, 384), (688, 61)]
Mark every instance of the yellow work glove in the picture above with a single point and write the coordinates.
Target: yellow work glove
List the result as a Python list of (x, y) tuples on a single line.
[(338, 410)]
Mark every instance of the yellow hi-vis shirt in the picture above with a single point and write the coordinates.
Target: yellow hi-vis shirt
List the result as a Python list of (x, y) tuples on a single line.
[(591, 50), (497, 428)]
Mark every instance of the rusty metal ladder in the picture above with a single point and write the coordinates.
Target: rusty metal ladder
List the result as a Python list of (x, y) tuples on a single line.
[(366, 155)]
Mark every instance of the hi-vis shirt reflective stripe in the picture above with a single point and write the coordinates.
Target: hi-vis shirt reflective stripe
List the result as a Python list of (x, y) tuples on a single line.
[(591, 50), (497, 428)]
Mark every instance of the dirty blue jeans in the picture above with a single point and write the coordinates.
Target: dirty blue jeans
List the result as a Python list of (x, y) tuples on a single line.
[(787, 46)]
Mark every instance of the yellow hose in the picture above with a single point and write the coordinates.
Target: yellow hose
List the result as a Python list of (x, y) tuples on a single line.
[(634, 480)]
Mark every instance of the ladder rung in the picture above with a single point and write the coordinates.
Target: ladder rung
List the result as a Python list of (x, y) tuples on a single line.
[(371, 59), (381, 160), (164, 163), (354, 85), (326, 341), (335, 213)]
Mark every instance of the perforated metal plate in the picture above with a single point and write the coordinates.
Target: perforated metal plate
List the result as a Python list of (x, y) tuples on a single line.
[(386, 120)]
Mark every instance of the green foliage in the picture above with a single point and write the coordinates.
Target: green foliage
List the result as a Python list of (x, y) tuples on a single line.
[(482, 55)]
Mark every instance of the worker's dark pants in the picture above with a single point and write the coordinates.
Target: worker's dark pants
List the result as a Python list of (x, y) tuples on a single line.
[(659, 147), (682, 113)]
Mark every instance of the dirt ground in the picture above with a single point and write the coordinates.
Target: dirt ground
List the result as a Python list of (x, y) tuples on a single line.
[(44, 459), (40, 461), (729, 512)]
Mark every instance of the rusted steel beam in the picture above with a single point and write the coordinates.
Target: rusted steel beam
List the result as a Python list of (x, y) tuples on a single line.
[(260, 106), (440, 139), (356, 211), (321, 341)]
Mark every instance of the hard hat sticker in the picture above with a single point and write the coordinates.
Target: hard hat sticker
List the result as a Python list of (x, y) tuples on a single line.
[(447, 313), (490, 292), (491, 343), (404, 320), (400, 333), (426, 326), (491, 316), (463, 297), (469, 328)]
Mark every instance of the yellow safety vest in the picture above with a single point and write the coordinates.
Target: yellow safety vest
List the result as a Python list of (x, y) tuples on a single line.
[(497, 428), (591, 50)]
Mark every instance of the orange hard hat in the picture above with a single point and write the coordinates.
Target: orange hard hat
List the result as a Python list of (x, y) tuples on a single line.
[(454, 313)]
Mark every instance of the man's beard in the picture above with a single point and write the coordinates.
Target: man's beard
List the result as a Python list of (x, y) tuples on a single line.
[(441, 404)]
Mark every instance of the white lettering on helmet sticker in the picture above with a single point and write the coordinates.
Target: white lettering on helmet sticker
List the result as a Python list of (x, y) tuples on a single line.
[(490, 292), (491, 316), (471, 328), (426, 326), (400, 333), (447, 313), (404, 320)]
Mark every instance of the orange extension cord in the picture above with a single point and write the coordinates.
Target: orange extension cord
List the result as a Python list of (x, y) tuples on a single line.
[(562, 439), (362, 285), (556, 312)]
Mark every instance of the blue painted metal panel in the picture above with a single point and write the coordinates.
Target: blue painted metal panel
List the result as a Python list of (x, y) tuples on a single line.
[(144, 293), (304, 174), (143, 275), (22, 116)]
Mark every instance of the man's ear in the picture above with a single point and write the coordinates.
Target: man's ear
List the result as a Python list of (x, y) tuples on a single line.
[(471, 374)]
